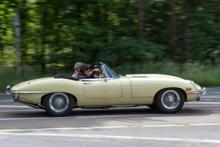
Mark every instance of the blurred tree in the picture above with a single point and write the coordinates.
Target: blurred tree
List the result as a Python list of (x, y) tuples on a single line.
[(173, 40), (187, 10), (141, 17), (59, 33)]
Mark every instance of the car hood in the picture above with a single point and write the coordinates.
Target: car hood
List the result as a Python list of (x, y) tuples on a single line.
[(151, 76)]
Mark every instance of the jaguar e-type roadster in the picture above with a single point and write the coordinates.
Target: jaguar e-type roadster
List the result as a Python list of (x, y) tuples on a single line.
[(60, 94)]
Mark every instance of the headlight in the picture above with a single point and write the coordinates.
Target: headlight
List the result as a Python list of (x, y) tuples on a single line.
[(192, 83), (197, 86)]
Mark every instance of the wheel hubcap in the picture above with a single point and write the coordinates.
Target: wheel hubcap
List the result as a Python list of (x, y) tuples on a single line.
[(59, 102), (170, 99)]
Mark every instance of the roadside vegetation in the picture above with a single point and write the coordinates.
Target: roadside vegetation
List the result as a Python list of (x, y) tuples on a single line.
[(172, 37), (205, 75)]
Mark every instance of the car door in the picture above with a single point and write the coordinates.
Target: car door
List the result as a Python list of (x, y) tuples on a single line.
[(101, 88)]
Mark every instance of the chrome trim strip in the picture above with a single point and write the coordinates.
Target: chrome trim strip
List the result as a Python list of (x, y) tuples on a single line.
[(95, 79), (197, 92), (203, 92), (28, 92), (9, 91)]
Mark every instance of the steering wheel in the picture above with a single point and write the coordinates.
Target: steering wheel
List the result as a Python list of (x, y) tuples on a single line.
[(101, 75)]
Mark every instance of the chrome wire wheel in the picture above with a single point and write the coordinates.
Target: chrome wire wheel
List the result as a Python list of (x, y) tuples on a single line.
[(170, 99), (59, 102)]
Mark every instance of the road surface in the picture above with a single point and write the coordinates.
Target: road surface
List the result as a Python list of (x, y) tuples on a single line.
[(197, 124)]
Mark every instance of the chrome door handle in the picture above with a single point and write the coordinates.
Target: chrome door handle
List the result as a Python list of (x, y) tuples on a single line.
[(87, 83)]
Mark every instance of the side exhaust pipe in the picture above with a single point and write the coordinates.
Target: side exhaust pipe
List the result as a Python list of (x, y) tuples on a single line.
[(29, 104)]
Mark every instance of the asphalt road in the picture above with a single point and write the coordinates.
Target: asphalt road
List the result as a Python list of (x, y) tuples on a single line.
[(197, 124)]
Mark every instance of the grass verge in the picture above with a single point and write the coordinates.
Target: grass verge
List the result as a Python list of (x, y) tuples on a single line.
[(204, 75)]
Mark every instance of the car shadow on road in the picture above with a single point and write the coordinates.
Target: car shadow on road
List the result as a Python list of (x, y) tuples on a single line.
[(117, 112), (186, 111)]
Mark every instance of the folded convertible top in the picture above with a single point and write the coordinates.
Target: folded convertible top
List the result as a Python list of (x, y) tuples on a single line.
[(65, 76)]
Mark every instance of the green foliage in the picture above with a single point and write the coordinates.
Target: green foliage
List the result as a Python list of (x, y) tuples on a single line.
[(58, 33), (131, 50)]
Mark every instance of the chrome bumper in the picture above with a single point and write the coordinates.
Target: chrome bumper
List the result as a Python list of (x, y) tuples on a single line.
[(9, 91), (203, 92)]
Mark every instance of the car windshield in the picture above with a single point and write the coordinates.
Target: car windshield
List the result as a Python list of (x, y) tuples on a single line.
[(110, 73)]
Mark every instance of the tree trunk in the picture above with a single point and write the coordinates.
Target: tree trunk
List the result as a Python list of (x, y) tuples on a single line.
[(79, 14), (128, 7), (141, 16), (44, 24), (173, 27), (187, 11)]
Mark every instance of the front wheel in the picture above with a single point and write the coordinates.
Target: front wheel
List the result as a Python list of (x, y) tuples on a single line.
[(58, 104), (170, 100)]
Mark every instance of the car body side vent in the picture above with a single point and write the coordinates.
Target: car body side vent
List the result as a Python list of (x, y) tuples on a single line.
[(139, 76)]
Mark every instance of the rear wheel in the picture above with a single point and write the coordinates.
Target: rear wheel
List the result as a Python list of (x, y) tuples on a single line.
[(58, 104), (170, 100)]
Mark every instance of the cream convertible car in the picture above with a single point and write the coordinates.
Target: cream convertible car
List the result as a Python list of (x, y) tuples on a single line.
[(58, 95)]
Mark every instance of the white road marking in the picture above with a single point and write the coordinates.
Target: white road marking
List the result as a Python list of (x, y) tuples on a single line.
[(21, 110), (104, 116), (210, 96), (217, 105), (28, 118), (153, 126), (203, 124), (203, 103), (80, 117), (106, 127), (14, 106), (5, 101), (111, 137)]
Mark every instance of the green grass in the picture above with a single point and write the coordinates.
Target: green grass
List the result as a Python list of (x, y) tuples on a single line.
[(8, 75), (204, 75)]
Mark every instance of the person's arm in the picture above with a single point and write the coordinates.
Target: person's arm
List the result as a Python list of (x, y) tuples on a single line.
[(91, 74)]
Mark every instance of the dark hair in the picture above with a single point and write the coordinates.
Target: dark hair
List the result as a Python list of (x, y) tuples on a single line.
[(90, 66), (84, 67)]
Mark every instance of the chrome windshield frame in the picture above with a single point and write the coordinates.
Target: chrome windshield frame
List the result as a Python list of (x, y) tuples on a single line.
[(103, 67)]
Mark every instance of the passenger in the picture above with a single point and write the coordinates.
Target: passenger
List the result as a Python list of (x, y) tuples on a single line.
[(91, 74), (77, 69), (84, 71)]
